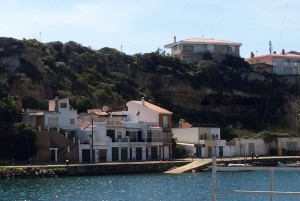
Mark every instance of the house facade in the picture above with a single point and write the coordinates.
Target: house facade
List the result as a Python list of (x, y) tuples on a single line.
[(200, 141), (59, 115), (280, 64), (206, 141), (56, 131), (140, 133), (195, 49)]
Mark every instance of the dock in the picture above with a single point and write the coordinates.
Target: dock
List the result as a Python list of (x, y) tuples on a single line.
[(198, 164), (193, 165)]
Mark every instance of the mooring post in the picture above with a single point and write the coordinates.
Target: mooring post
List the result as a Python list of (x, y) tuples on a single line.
[(214, 178), (271, 176)]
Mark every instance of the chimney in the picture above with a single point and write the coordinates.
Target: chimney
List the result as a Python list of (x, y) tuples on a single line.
[(143, 101), (274, 52), (283, 52), (56, 103), (252, 55), (174, 39), (181, 121)]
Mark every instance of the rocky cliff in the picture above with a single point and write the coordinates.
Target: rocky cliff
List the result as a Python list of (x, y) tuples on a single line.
[(203, 93)]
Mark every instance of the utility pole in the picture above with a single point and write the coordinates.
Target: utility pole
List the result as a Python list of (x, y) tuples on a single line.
[(92, 141)]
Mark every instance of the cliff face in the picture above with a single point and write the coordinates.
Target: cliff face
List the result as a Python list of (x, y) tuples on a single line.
[(202, 93)]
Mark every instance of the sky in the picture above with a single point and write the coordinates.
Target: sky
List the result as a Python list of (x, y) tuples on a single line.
[(141, 26)]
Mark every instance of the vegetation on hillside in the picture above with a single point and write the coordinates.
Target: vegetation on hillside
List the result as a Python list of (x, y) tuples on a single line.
[(33, 72)]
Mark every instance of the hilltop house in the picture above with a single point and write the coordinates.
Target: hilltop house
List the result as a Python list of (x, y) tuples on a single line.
[(280, 64), (195, 49), (143, 132)]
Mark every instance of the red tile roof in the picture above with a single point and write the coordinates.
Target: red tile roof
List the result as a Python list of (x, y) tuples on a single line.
[(154, 107), (287, 55)]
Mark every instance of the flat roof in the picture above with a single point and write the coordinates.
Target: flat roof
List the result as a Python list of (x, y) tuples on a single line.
[(203, 41)]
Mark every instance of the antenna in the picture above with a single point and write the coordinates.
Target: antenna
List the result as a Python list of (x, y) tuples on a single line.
[(270, 47), (40, 36)]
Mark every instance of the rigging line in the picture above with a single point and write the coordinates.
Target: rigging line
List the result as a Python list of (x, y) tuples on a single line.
[(283, 20)]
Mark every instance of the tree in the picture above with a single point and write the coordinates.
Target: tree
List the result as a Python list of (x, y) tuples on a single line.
[(292, 114), (235, 62), (207, 56), (8, 111)]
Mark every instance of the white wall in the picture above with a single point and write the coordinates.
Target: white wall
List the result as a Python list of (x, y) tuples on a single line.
[(282, 142), (260, 147), (186, 135), (100, 134), (64, 114), (146, 114)]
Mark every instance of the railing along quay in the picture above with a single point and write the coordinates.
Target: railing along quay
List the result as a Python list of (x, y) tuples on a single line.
[(271, 170)]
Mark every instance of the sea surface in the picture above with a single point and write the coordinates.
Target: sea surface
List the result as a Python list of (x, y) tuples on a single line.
[(187, 186)]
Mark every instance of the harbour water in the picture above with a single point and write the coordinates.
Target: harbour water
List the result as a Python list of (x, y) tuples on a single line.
[(173, 187)]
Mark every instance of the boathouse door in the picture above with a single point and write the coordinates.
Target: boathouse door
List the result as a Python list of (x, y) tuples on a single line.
[(115, 153), (251, 148), (124, 153), (138, 155), (102, 155)]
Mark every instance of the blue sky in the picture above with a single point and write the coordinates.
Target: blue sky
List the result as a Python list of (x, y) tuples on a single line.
[(144, 25)]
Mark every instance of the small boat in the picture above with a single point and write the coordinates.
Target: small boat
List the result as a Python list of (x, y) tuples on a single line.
[(296, 164), (234, 167)]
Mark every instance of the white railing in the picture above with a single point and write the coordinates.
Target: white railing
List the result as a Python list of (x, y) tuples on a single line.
[(271, 170)]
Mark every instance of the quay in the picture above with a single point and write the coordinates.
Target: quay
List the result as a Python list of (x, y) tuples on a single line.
[(143, 167)]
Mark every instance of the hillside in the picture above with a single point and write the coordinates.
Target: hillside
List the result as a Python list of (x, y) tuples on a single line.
[(203, 93)]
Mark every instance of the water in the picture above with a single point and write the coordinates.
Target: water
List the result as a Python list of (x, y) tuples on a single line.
[(148, 187)]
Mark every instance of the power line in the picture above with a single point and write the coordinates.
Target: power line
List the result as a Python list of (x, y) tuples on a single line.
[(283, 21)]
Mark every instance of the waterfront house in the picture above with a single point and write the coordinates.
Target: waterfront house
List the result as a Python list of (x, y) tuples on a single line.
[(140, 133), (287, 146), (200, 141), (56, 130), (195, 49), (280, 64), (59, 115), (205, 141), (245, 147)]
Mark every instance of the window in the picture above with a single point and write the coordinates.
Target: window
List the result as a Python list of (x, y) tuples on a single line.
[(63, 105), (214, 136), (187, 47), (119, 134), (133, 136), (52, 121), (154, 136), (165, 121), (72, 121)]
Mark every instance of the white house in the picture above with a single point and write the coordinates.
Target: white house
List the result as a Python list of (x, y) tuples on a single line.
[(280, 64), (59, 115), (205, 141), (291, 145), (200, 141), (135, 134), (56, 130), (195, 49), (245, 147)]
